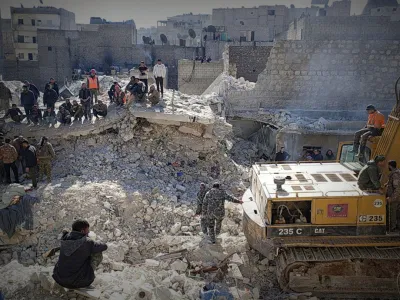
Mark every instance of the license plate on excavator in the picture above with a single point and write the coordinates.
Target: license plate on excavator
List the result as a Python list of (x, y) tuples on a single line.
[(372, 219)]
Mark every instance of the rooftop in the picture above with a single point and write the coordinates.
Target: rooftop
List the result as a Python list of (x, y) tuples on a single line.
[(308, 180), (36, 10)]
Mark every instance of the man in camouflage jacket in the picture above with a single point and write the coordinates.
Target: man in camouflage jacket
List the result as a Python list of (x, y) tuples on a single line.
[(214, 209), (200, 198), (393, 194), (45, 154), (9, 155)]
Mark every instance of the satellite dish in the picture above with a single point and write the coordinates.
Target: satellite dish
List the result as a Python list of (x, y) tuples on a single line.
[(163, 38), (192, 34), (179, 36), (211, 29)]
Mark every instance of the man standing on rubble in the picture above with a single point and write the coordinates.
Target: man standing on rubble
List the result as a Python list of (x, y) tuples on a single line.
[(393, 194), (214, 209), (200, 198), (27, 101), (86, 100), (93, 84), (50, 97), (54, 85), (30, 158), (79, 257), (33, 89), (9, 155), (159, 72), (45, 155)]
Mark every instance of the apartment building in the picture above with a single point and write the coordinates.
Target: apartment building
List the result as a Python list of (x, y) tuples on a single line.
[(26, 21)]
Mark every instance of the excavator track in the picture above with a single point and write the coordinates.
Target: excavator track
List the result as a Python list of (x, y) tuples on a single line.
[(340, 270)]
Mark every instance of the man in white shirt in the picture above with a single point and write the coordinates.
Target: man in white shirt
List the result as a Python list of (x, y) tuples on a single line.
[(159, 72)]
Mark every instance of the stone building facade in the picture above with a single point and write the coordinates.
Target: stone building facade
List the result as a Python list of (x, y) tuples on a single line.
[(341, 76)]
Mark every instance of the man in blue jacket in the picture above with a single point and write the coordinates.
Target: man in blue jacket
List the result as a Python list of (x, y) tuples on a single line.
[(27, 101)]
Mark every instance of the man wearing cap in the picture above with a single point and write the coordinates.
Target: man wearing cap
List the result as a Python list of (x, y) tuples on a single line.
[(374, 127), (159, 72), (93, 84), (214, 209), (27, 101), (370, 175), (393, 194)]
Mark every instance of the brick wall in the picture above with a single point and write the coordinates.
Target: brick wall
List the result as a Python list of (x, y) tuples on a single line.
[(214, 49), (325, 76), (195, 77), (250, 61)]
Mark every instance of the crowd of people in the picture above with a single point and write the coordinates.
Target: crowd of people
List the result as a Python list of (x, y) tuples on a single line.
[(308, 155), (23, 158)]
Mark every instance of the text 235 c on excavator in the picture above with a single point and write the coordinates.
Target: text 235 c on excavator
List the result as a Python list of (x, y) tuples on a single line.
[(325, 234)]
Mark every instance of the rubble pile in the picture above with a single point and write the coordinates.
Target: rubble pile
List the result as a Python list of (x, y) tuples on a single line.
[(16, 89)]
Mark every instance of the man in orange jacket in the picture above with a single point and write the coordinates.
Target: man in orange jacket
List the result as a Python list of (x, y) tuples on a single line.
[(93, 84), (374, 127)]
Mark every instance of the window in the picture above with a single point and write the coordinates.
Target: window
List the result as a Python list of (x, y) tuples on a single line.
[(20, 21), (271, 13), (34, 39), (49, 49), (21, 39), (21, 56), (33, 22), (30, 56)]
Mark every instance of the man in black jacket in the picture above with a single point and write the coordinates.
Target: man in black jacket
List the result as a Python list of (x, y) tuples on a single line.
[(111, 92), (27, 101), (79, 257), (15, 113), (50, 97), (33, 89), (282, 155), (29, 155), (86, 100), (53, 85)]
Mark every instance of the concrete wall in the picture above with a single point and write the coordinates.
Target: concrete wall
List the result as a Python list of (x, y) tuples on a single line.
[(8, 41), (344, 28), (195, 77), (214, 49), (325, 76), (250, 61)]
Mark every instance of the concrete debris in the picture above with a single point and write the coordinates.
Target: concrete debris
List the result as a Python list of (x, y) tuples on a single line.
[(179, 266)]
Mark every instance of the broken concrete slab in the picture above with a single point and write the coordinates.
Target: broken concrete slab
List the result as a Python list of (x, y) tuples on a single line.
[(189, 130), (179, 265)]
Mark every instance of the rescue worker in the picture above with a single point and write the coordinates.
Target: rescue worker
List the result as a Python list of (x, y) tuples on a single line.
[(30, 159), (45, 154), (93, 84), (49, 117), (36, 115), (100, 109), (200, 198), (282, 155), (27, 101), (9, 155), (15, 113), (374, 127), (79, 257), (50, 97), (159, 72), (369, 177), (143, 74), (119, 96), (63, 116), (393, 194), (77, 110), (33, 89), (214, 209), (54, 85), (86, 100), (153, 96), (5, 96), (67, 105)]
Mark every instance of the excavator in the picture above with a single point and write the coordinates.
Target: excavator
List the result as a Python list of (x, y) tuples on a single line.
[(323, 233)]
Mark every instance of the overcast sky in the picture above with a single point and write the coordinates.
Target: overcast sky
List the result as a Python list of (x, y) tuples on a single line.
[(147, 12)]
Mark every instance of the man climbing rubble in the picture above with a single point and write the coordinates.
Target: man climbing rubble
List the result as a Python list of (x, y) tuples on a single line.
[(214, 209), (393, 194), (79, 257), (200, 198), (45, 154), (86, 100), (9, 155), (374, 127), (369, 177), (93, 84), (27, 101)]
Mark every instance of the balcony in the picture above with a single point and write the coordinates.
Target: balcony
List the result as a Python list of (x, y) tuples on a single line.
[(26, 46), (24, 27)]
